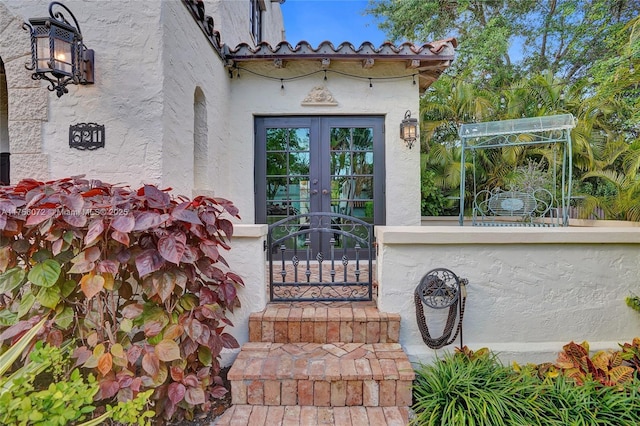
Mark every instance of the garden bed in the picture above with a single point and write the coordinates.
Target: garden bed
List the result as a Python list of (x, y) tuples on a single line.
[(474, 388)]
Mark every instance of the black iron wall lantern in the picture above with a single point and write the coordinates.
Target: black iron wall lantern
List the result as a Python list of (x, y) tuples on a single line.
[(409, 129), (58, 54)]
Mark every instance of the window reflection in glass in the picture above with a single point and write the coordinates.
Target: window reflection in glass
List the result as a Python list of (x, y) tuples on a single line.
[(287, 172), (352, 172)]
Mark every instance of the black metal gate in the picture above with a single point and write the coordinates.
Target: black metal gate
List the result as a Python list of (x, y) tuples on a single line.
[(340, 268)]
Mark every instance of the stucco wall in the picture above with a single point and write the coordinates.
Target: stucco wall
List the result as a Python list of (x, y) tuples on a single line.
[(149, 60), (531, 290), (273, 23), (231, 19), (126, 98), (389, 98), (27, 105), (190, 62), (247, 258)]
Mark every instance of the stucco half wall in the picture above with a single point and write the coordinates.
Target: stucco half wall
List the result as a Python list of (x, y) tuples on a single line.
[(531, 290)]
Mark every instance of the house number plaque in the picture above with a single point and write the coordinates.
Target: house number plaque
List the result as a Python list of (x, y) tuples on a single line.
[(86, 136)]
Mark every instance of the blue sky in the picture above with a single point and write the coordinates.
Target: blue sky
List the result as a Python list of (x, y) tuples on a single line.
[(338, 20), (334, 20)]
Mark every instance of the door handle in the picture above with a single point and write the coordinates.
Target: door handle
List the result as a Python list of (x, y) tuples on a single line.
[(314, 192), (325, 192)]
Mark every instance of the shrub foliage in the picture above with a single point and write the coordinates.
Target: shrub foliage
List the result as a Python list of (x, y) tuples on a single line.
[(47, 392), (474, 388), (136, 278)]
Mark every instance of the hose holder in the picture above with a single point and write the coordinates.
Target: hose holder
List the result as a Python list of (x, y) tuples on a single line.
[(438, 289)]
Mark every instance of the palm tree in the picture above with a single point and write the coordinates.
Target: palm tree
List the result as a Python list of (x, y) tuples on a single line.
[(618, 166), (599, 115), (443, 110), (449, 105), (609, 117)]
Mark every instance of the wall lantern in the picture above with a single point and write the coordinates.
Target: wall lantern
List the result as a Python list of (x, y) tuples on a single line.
[(58, 54), (409, 129)]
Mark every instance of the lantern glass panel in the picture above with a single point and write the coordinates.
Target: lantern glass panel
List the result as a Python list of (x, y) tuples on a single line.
[(62, 57), (409, 129), (42, 53)]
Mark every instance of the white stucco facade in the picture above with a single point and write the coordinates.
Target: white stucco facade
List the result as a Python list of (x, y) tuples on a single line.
[(151, 60)]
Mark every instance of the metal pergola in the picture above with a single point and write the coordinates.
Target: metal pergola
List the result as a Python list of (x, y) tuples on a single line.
[(549, 130)]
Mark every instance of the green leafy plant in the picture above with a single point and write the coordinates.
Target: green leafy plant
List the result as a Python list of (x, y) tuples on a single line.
[(470, 388), (136, 277), (433, 202), (567, 403), (604, 367), (368, 209), (469, 354), (597, 390), (473, 388), (631, 353), (44, 391), (544, 371), (64, 401), (13, 353), (633, 302)]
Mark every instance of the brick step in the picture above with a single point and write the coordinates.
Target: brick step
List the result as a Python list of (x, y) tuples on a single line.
[(262, 415), (348, 322), (322, 375)]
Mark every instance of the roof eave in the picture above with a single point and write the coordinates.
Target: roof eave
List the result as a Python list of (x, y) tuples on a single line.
[(429, 61)]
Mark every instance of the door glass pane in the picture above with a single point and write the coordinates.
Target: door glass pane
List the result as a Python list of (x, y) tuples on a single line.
[(351, 169), (299, 163), (363, 163), (340, 139), (341, 163), (287, 180)]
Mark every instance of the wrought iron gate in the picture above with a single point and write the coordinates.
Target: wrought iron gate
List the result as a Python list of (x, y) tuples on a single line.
[(320, 257)]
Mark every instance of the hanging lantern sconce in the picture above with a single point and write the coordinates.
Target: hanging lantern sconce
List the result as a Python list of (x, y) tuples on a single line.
[(58, 54), (409, 129)]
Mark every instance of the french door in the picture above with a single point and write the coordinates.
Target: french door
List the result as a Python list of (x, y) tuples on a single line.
[(319, 164)]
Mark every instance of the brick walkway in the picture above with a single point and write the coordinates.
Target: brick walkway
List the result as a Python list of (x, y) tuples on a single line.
[(321, 363), (260, 415)]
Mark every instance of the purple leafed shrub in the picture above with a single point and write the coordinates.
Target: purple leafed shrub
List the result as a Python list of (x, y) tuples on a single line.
[(136, 279)]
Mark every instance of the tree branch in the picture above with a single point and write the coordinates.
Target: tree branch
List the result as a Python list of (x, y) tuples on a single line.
[(545, 33)]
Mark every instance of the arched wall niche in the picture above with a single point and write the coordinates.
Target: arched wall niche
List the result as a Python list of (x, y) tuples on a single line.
[(200, 140)]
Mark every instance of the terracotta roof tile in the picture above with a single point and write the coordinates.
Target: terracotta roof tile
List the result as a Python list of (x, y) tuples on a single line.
[(327, 49), (428, 61)]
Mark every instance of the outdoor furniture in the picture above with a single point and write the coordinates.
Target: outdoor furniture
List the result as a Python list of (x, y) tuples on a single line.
[(515, 208)]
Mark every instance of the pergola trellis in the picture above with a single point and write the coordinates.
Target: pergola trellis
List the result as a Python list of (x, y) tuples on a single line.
[(517, 207)]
